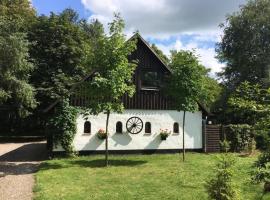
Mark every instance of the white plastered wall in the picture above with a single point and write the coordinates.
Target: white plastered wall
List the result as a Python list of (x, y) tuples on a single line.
[(159, 119)]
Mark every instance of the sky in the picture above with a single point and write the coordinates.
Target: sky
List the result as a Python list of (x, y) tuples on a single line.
[(170, 24)]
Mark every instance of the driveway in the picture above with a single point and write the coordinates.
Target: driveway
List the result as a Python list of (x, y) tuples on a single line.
[(18, 163)]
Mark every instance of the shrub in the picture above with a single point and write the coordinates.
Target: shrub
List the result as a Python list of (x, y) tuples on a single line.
[(101, 134), (221, 186), (263, 133), (261, 174), (224, 146), (241, 137), (164, 133), (63, 126)]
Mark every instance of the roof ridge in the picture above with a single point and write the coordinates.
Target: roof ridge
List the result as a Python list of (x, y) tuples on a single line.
[(137, 34)]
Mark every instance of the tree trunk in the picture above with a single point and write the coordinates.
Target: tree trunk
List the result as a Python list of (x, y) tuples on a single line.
[(106, 143), (184, 150)]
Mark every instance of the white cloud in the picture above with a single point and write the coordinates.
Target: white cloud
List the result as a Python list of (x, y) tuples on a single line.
[(206, 55), (165, 19), (154, 17)]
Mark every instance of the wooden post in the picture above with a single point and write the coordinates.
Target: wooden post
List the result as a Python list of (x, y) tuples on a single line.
[(204, 135)]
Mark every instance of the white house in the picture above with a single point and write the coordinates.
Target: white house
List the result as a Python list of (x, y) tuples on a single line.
[(146, 113)]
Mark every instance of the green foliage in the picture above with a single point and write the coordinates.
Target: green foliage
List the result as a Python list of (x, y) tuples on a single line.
[(15, 69), (262, 172), (262, 128), (161, 55), (113, 71), (241, 137), (60, 48), (225, 146), (248, 103), (62, 126), (164, 133), (245, 45), (20, 12), (221, 186), (192, 82), (185, 79), (210, 92)]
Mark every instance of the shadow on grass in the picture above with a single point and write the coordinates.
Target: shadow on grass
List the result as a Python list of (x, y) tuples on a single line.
[(101, 163), (98, 163)]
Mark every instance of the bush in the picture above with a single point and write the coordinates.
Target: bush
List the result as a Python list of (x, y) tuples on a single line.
[(221, 186), (241, 137), (225, 146), (262, 172), (62, 126), (263, 133)]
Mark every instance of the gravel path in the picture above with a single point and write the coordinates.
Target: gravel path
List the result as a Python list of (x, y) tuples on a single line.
[(18, 163)]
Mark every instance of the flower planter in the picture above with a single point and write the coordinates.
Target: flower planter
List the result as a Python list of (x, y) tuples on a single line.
[(101, 134), (164, 133), (163, 137)]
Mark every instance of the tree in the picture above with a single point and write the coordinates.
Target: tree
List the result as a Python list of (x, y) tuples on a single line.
[(20, 11), (184, 85), (261, 173), (221, 186), (245, 46), (161, 55), (250, 104), (61, 51), (211, 90), (113, 74), (15, 64)]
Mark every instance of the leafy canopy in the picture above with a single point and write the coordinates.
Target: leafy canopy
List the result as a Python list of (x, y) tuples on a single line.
[(189, 81), (113, 71), (15, 65), (245, 46), (61, 49), (249, 102)]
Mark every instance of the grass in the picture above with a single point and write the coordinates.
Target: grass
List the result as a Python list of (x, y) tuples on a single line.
[(149, 177)]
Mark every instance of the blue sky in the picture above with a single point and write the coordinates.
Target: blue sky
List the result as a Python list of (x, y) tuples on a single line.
[(46, 6), (170, 24)]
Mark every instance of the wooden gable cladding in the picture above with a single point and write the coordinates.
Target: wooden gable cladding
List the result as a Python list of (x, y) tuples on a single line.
[(147, 61), (144, 98), (147, 98)]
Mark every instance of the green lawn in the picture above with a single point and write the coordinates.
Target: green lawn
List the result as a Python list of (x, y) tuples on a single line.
[(149, 177)]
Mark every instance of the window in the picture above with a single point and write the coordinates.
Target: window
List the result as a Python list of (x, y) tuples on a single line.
[(147, 127), (176, 127), (119, 128), (150, 79), (87, 127)]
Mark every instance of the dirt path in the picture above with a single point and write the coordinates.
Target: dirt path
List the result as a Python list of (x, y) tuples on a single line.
[(18, 162)]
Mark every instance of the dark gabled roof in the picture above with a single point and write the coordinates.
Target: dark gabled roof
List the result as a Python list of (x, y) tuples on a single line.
[(138, 36), (92, 73)]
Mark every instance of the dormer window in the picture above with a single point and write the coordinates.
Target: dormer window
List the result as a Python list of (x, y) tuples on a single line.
[(150, 80)]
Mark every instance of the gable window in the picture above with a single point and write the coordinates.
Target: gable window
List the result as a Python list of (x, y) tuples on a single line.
[(87, 127), (119, 127), (147, 127), (176, 127), (150, 80)]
